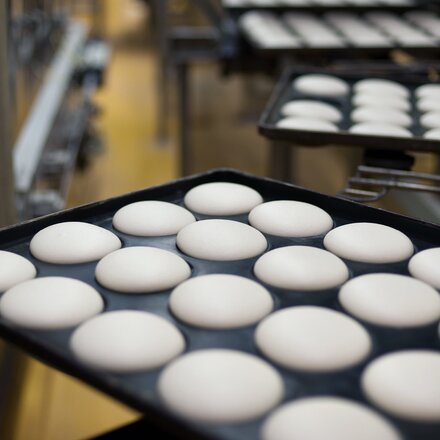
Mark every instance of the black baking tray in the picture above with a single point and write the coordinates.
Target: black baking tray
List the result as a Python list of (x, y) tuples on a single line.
[(348, 50), (284, 92), (316, 7), (139, 390)]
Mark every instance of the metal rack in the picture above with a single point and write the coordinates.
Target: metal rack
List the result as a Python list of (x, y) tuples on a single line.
[(51, 56), (7, 208), (370, 184)]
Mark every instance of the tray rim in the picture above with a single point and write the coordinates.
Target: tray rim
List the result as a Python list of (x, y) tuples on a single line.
[(317, 7)]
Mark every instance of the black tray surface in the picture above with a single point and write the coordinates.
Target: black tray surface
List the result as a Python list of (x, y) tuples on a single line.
[(139, 390), (284, 92)]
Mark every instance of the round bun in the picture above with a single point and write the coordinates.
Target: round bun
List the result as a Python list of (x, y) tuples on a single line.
[(327, 417), (220, 386), (126, 341), (14, 269), (72, 243), (141, 269), (301, 268), (289, 218), (369, 243), (152, 218), (312, 339), (220, 301), (405, 384), (50, 303), (222, 198), (221, 240)]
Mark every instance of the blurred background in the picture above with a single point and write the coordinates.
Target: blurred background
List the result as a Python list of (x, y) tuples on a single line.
[(103, 97)]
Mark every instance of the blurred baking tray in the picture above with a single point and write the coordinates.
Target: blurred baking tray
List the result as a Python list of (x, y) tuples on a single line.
[(241, 6), (139, 390), (340, 34), (284, 92)]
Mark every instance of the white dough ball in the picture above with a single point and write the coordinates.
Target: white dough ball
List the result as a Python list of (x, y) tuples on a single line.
[(301, 268), (222, 198), (289, 218), (391, 300), (369, 243), (50, 303), (141, 269), (126, 341), (220, 386), (321, 85), (72, 243), (425, 266), (380, 129), (221, 240), (14, 269), (405, 384), (327, 417), (152, 218), (312, 109), (312, 339), (306, 124)]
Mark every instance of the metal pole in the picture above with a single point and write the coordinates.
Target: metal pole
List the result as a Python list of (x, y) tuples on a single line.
[(280, 161), (8, 214), (184, 119), (162, 29)]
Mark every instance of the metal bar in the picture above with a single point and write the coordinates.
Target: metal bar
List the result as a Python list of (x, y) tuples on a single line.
[(8, 214), (360, 195), (34, 134), (210, 11), (394, 184), (184, 118), (162, 27), (280, 161), (398, 173)]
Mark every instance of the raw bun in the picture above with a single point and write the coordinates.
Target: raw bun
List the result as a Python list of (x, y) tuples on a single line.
[(222, 198), (152, 218), (321, 85), (14, 269), (72, 243), (141, 269), (126, 341), (301, 268), (220, 386), (221, 240), (369, 243)]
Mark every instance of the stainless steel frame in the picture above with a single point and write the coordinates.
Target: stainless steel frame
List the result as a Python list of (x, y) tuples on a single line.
[(8, 214), (371, 183), (33, 136)]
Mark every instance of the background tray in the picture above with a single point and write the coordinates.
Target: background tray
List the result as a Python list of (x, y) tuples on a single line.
[(347, 48), (242, 6), (139, 390), (284, 92)]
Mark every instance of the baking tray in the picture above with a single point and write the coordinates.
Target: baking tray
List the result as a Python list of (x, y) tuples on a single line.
[(314, 6), (139, 390), (284, 92), (346, 49)]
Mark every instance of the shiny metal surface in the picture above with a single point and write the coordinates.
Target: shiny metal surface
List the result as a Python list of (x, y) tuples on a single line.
[(7, 200)]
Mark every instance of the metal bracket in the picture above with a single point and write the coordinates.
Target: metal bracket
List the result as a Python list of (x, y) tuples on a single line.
[(372, 183)]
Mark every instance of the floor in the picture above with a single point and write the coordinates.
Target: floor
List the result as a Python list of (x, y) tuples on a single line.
[(54, 406)]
